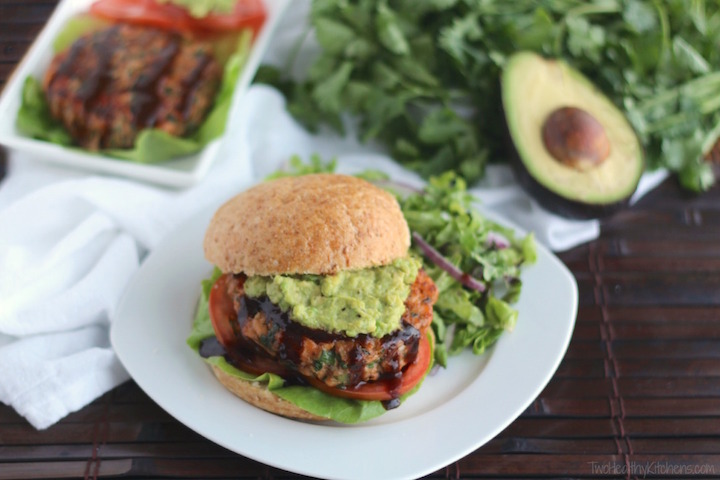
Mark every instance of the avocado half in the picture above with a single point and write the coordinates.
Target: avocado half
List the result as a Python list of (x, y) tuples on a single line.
[(575, 152)]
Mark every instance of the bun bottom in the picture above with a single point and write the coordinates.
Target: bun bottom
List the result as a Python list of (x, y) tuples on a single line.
[(258, 395)]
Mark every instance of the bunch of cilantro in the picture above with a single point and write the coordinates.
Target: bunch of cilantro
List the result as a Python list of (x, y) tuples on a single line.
[(443, 213), (423, 77)]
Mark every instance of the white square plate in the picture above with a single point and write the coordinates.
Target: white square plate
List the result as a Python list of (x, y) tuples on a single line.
[(181, 172)]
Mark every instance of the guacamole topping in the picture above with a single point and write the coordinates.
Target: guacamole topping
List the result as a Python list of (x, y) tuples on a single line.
[(201, 8), (354, 302)]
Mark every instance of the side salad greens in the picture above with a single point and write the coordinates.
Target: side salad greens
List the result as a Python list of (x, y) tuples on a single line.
[(475, 263), (151, 145), (423, 77)]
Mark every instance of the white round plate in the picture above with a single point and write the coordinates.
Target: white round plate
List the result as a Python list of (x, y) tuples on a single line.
[(455, 411)]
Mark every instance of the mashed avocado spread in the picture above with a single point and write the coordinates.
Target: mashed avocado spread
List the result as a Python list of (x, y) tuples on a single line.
[(202, 8), (370, 300)]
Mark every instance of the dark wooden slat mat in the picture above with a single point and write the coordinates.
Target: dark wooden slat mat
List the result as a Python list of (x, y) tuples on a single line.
[(637, 395)]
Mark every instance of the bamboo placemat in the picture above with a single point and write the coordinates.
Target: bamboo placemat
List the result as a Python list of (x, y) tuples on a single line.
[(637, 395)]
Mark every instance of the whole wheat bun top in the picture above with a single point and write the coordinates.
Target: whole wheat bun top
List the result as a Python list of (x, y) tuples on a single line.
[(320, 224)]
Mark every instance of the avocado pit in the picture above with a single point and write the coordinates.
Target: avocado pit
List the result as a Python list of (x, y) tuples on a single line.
[(575, 138)]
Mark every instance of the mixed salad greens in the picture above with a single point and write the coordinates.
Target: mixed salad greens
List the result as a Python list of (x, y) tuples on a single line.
[(475, 263), (423, 77)]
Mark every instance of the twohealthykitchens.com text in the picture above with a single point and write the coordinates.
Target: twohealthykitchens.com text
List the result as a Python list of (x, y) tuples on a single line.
[(653, 469)]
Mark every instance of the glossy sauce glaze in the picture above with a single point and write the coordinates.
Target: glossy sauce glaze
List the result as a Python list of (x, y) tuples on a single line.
[(112, 83), (146, 100)]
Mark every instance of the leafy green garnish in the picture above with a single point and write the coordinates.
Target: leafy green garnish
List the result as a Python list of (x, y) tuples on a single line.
[(297, 167), (423, 77), (202, 327), (34, 119), (444, 215)]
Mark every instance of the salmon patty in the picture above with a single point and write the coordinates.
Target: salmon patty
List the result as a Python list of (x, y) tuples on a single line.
[(112, 83), (334, 359)]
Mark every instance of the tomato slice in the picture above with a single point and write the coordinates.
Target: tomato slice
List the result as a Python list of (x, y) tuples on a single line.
[(222, 316), (222, 312), (144, 12), (386, 389), (246, 14)]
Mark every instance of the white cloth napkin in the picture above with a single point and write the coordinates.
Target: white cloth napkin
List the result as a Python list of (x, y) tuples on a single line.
[(70, 241), (68, 247)]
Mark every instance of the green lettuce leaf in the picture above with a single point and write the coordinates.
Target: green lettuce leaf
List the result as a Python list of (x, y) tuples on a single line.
[(151, 145), (202, 327), (34, 119), (310, 399), (154, 145), (75, 28)]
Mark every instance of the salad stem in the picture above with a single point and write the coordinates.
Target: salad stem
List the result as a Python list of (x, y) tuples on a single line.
[(438, 259)]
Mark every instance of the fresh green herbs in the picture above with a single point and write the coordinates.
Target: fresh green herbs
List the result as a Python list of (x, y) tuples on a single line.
[(423, 77), (297, 167)]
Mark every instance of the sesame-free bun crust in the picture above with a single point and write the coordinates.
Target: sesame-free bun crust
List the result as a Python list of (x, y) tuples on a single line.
[(258, 395), (320, 224)]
